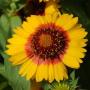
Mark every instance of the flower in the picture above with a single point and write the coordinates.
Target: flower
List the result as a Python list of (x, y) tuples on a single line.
[(47, 0), (44, 45)]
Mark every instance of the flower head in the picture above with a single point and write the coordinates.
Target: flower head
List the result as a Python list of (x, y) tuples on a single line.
[(61, 87), (47, 0), (44, 45), (52, 7)]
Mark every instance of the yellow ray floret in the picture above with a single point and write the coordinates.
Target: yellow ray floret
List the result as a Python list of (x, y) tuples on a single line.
[(42, 71)]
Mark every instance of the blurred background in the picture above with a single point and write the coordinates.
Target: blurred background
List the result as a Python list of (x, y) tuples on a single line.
[(13, 12)]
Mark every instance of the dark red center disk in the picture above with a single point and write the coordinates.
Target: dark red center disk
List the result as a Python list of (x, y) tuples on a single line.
[(48, 42)]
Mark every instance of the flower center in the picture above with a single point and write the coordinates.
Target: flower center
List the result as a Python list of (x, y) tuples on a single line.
[(48, 42), (45, 40)]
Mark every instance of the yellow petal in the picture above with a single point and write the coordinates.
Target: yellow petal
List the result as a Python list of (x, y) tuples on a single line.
[(27, 27), (48, 19), (35, 21), (59, 71), (77, 32), (50, 72), (42, 72), (31, 70), (51, 8), (78, 43), (80, 61), (62, 21), (71, 61), (17, 40), (24, 67), (43, 0), (15, 49), (18, 58), (22, 32), (51, 18)]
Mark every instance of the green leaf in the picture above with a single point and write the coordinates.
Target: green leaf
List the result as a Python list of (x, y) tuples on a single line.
[(15, 81), (72, 75), (13, 6), (5, 25), (46, 86), (2, 69), (73, 81), (4, 31), (4, 3), (15, 21), (2, 41)]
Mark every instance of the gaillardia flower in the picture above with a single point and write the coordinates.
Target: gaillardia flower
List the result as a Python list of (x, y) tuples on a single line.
[(47, 0), (44, 45)]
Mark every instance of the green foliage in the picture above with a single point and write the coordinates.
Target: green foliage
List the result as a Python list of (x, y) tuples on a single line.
[(3, 85), (4, 4), (5, 30), (2, 41), (73, 81), (14, 22), (46, 86), (11, 7)]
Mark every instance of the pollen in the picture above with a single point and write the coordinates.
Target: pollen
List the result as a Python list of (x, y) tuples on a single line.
[(45, 40)]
